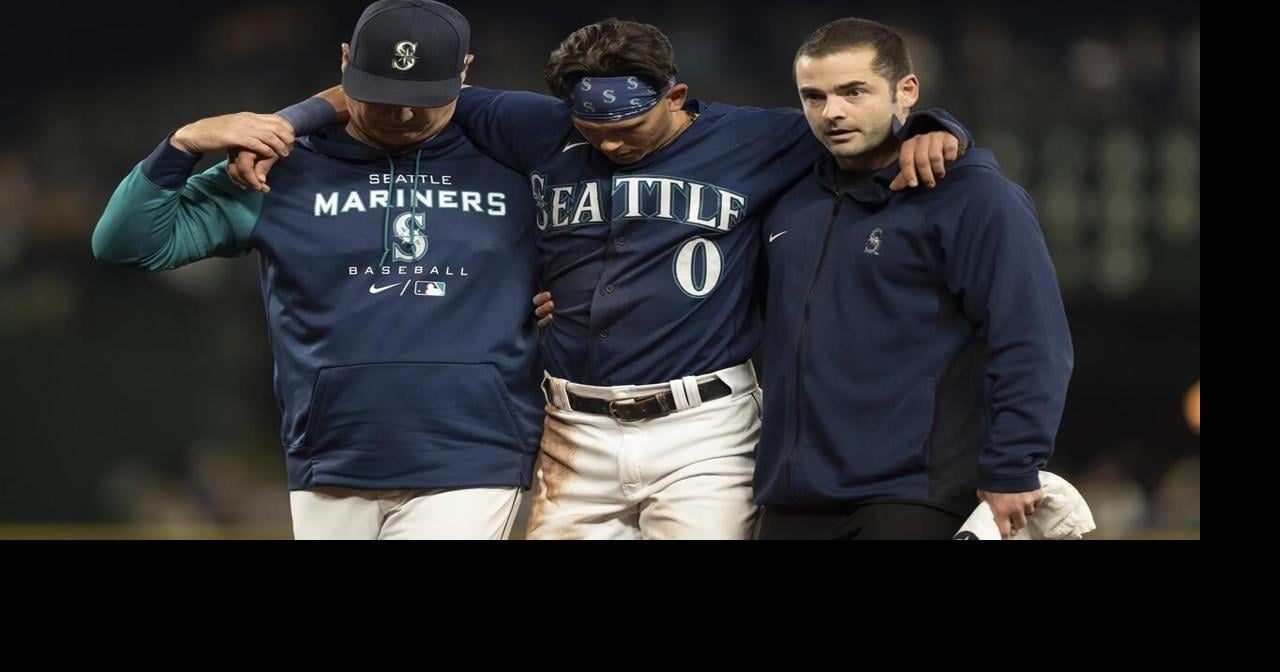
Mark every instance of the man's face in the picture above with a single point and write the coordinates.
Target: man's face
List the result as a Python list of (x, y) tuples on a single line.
[(395, 126), (849, 107), (630, 140)]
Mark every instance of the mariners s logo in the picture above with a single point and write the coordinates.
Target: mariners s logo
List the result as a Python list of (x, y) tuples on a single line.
[(406, 55), (410, 237)]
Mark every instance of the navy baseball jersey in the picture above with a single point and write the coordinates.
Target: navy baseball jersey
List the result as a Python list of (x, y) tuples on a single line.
[(652, 265)]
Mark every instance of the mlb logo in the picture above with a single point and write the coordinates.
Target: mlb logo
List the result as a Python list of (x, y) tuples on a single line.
[(428, 288)]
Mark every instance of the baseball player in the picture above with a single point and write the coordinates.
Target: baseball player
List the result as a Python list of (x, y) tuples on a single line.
[(396, 266), (648, 210)]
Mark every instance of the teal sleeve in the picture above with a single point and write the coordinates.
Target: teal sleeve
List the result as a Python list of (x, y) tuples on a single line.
[(153, 228)]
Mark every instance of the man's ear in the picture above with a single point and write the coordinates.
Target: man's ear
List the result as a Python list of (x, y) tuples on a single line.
[(466, 66), (908, 92), (677, 95)]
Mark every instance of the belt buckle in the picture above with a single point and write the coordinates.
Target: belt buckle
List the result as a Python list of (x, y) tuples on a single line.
[(613, 409), (664, 409)]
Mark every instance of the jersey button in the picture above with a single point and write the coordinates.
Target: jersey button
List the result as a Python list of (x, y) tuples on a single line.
[(604, 333), (608, 289), (620, 241)]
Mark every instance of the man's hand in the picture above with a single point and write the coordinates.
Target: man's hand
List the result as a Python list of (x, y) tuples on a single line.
[(1011, 508), (923, 158), (248, 168), (267, 135), (248, 171), (545, 309)]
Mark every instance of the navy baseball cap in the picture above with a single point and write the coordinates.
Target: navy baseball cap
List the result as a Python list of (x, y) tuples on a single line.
[(407, 52)]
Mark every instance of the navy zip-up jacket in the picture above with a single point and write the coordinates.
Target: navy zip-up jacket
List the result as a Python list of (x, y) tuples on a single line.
[(916, 348)]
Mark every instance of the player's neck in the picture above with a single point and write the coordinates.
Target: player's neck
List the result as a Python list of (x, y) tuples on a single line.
[(681, 126)]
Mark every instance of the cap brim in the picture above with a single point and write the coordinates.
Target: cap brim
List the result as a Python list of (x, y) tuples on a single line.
[(368, 88)]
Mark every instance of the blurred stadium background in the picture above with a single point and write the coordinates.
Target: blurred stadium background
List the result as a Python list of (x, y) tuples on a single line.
[(140, 406)]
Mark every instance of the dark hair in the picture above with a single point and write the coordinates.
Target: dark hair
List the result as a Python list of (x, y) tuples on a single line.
[(892, 61), (611, 48)]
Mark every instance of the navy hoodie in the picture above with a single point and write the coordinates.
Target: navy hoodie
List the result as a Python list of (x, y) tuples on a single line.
[(397, 295)]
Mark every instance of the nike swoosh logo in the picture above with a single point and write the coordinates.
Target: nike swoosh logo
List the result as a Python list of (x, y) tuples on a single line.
[(777, 235), (374, 289), (572, 145)]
